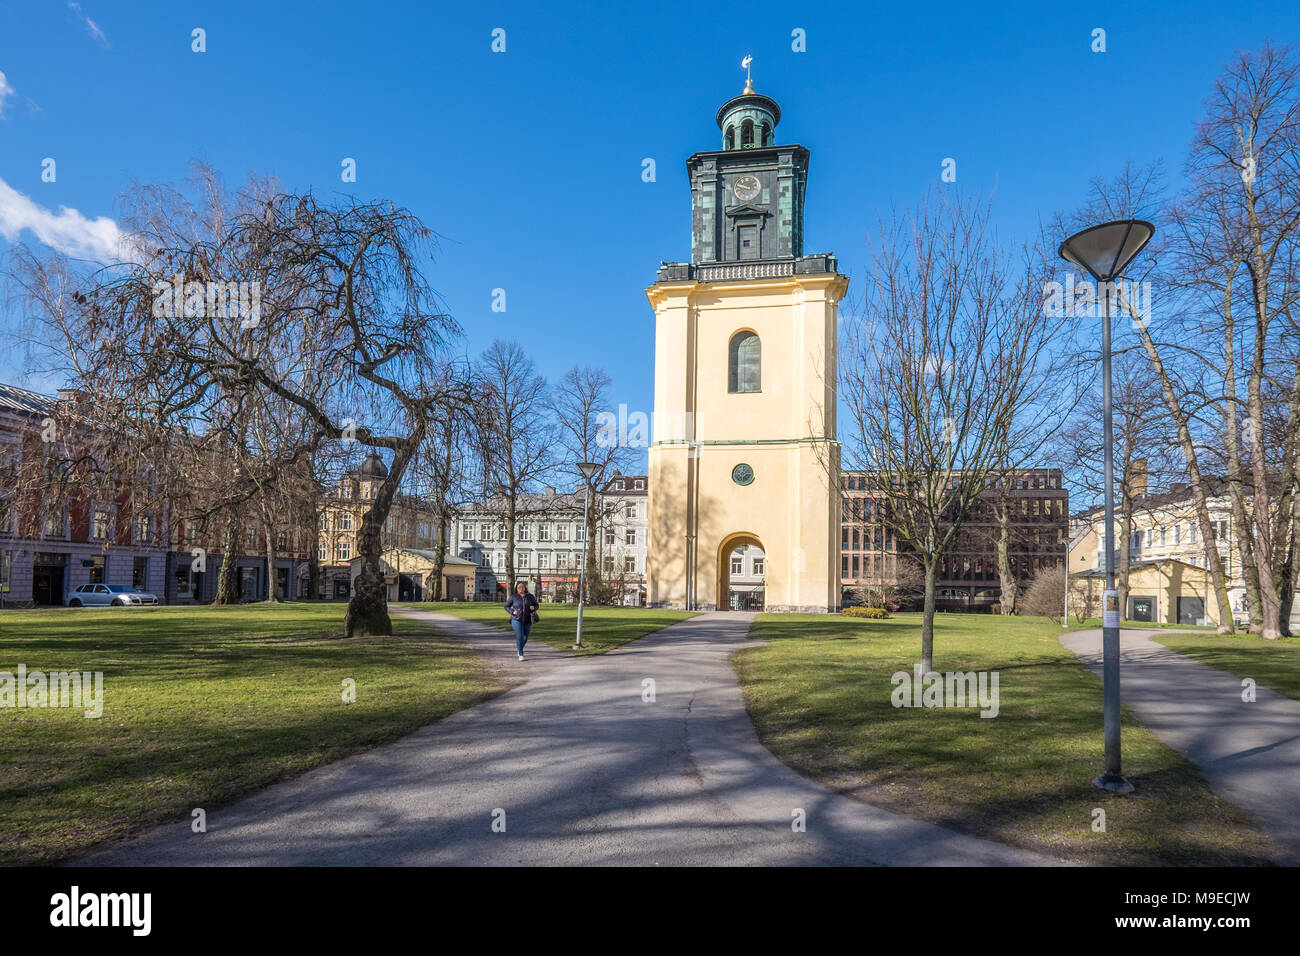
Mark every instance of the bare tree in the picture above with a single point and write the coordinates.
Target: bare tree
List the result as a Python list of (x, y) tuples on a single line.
[(939, 382), (577, 402), (322, 308), (517, 435)]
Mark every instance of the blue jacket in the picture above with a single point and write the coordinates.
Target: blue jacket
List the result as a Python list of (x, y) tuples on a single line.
[(525, 605)]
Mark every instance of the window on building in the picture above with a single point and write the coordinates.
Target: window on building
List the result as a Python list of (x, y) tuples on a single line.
[(142, 528), (737, 565), (97, 569), (543, 532), (1191, 532), (608, 564), (639, 484), (609, 535), (630, 536), (99, 525), (282, 541), (844, 566), (6, 516), (485, 560), (618, 485), (345, 521), (6, 570), (579, 533), (321, 553), (1178, 533), (467, 530), (250, 539), (562, 532), (523, 532), (562, 560), (325, 521), (743, 364), (629, 564), (543, 559), (1164, 536), (758, 565), (631, 511)]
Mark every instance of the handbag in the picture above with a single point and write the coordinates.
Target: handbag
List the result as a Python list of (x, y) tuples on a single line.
[(536, 617)]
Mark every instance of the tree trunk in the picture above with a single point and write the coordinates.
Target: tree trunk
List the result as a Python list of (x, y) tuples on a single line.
[(1125, 558), (1006, 576), (510, 545), (440, 556), (927, 618), (269, 550), (227, 586), (590, 575)]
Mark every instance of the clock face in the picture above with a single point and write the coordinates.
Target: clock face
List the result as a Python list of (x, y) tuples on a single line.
[(742, 474), (746, 188)]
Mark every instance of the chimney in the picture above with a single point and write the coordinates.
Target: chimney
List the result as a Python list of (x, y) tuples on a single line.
[(1137, 478)]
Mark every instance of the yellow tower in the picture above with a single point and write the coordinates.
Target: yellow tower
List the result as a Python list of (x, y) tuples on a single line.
[(744, 449)]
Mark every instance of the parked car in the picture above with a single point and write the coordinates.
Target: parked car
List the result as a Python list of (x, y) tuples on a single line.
[(109, 595)]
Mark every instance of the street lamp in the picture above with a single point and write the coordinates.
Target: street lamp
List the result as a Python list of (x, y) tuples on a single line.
[(588, 470), (1104, 252)]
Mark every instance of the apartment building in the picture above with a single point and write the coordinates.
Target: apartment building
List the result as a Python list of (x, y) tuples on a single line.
[(550, 538)]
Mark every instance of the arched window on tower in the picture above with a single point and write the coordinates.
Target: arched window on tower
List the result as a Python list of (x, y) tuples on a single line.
[(744, 364), (746, 133), (767, 135), (731, 137)]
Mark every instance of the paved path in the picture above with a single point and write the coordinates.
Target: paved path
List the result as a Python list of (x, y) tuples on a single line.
[(1249, 752), (586, 772)]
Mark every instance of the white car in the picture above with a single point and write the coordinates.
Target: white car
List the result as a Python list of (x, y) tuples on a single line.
[(109, 595)]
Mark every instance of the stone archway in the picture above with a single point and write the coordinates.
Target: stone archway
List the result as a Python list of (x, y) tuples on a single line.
[(728, 545)]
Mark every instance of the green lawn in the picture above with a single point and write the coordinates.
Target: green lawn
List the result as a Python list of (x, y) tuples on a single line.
[(819, 693), (202, 704), (1272, 664), (1095, 622), (603, 628)]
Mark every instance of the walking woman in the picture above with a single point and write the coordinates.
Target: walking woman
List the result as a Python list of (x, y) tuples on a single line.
[(523, 612)]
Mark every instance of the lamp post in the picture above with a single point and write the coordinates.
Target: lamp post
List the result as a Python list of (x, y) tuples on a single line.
[(1104, 251), (588, 470)]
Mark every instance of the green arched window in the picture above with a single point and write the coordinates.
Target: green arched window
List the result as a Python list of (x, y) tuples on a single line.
[(745, 363)]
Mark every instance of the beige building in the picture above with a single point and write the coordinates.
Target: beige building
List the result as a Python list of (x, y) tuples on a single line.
[(744, 450), (408, 574), (1163, 591)]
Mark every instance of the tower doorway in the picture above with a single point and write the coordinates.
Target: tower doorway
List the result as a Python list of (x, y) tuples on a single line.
[(742, 574)]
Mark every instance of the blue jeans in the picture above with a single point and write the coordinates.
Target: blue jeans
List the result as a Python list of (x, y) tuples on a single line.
[(521, 629)]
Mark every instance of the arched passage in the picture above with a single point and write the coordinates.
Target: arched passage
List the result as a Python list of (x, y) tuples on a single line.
[(748, 591)]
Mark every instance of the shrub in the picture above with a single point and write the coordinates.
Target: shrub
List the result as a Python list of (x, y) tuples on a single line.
[(875, 613)]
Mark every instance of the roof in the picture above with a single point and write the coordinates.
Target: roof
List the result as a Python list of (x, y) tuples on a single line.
[(18, 399)]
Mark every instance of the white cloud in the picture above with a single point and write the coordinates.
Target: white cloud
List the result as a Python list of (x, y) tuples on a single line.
[(6, 91), (66, 231), (91, 25)]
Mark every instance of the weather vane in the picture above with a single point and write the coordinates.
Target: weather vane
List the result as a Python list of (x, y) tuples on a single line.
[(744, 65)]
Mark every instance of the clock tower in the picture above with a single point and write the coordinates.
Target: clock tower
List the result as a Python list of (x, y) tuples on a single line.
[(744, 450)]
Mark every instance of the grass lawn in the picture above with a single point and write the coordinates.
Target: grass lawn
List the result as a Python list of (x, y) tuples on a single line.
[(201, 705), (603, 627), (819, 694), (1272, 664), (1093, 623)]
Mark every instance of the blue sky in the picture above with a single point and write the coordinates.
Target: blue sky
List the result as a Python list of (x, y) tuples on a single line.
[(528, 162)]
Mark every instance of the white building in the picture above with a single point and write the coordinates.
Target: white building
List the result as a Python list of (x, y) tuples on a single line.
[(550, 537)]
